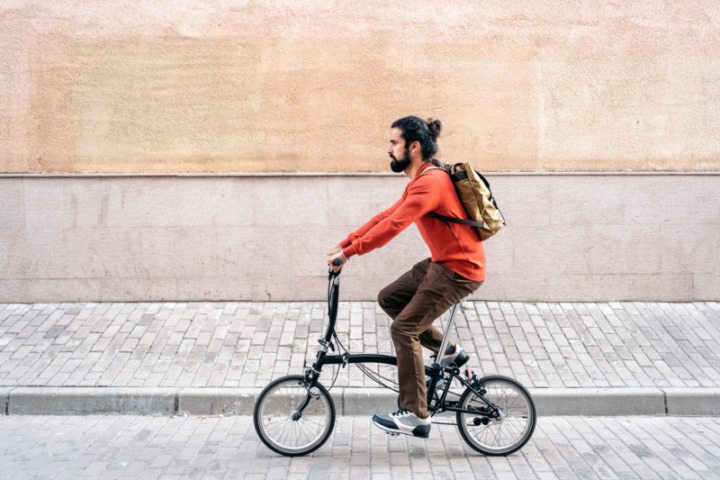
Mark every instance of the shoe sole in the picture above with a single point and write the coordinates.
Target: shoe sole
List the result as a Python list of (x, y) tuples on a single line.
[(393, 431)]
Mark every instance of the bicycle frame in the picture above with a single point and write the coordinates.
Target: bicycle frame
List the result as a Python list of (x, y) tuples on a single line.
[(326, 342), (434, 371), (295, 414)]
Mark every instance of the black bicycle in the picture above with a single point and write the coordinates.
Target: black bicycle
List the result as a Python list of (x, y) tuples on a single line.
[(295, 415)]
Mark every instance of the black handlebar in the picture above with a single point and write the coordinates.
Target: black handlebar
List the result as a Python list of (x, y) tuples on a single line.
[(337, 262)]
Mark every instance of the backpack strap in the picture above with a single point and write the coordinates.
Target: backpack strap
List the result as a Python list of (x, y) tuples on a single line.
[(432, 167), (462, 221), (455, 177)]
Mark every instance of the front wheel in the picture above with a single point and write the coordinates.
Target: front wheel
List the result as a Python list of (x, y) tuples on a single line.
[(505, 424), (292, 420)]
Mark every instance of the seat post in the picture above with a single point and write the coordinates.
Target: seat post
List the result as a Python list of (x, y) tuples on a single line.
[(446, 334)]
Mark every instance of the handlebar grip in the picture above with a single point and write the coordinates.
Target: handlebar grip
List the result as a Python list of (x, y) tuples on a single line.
[(337, 262)]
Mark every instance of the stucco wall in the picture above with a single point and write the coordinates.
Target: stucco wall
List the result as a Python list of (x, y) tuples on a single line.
[(312, 85), (570, 237)]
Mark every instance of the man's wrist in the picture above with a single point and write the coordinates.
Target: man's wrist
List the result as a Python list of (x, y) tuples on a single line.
[(343, 256)]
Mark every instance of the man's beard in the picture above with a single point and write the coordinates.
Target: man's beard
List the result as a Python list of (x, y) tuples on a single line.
[(399, 166)]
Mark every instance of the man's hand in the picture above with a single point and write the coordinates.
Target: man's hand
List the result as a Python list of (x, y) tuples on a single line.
[(336, 253)]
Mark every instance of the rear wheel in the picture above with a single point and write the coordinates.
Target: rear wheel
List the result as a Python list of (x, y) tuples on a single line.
[(502, 431), (283, 427)]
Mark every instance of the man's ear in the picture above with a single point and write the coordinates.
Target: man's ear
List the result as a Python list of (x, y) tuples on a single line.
[(415, 149)]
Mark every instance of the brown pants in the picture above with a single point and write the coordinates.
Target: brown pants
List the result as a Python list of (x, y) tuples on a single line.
[(414, 301)]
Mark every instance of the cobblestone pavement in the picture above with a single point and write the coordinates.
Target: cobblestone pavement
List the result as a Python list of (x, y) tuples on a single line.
[(134, 447), (248, 344), (233, 345)]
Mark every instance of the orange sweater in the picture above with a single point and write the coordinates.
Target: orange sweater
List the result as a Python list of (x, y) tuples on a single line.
[(458, 248)]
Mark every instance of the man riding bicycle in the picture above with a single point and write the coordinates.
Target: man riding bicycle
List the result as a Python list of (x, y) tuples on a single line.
[(455, 269)]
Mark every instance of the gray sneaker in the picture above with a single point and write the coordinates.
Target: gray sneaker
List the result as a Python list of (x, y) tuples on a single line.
[(404, 422), (454, 354)]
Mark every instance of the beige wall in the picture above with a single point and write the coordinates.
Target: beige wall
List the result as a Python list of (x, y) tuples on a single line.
[(312, 85), (569, 237)]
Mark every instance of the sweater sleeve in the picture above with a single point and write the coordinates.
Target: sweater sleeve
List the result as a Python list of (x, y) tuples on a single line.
[(420, 197), (369, 226)]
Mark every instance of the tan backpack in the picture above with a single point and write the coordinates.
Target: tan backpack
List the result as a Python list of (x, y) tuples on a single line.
[(474, 193)]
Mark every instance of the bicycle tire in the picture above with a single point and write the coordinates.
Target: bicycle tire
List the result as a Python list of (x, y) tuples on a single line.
[(279, 428), (497, 437)]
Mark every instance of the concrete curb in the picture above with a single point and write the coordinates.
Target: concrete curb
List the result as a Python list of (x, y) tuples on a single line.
[(4, 399), (91, 401), (348, 401), (600, 402), (694, 401), (217, 401)]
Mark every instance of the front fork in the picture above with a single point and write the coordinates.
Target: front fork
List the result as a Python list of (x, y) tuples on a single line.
[(310, 377), (309, 381)]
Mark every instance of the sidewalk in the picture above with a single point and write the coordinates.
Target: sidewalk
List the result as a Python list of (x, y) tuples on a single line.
[(136, 447), (214, 358)]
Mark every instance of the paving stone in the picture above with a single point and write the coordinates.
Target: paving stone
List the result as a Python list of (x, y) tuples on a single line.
[(545, 345)]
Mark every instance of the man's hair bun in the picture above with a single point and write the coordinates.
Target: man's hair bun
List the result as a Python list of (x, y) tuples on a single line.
[(435, 127)]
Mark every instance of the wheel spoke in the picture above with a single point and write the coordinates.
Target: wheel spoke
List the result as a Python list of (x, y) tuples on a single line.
[(274, 412), (500, 435)]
